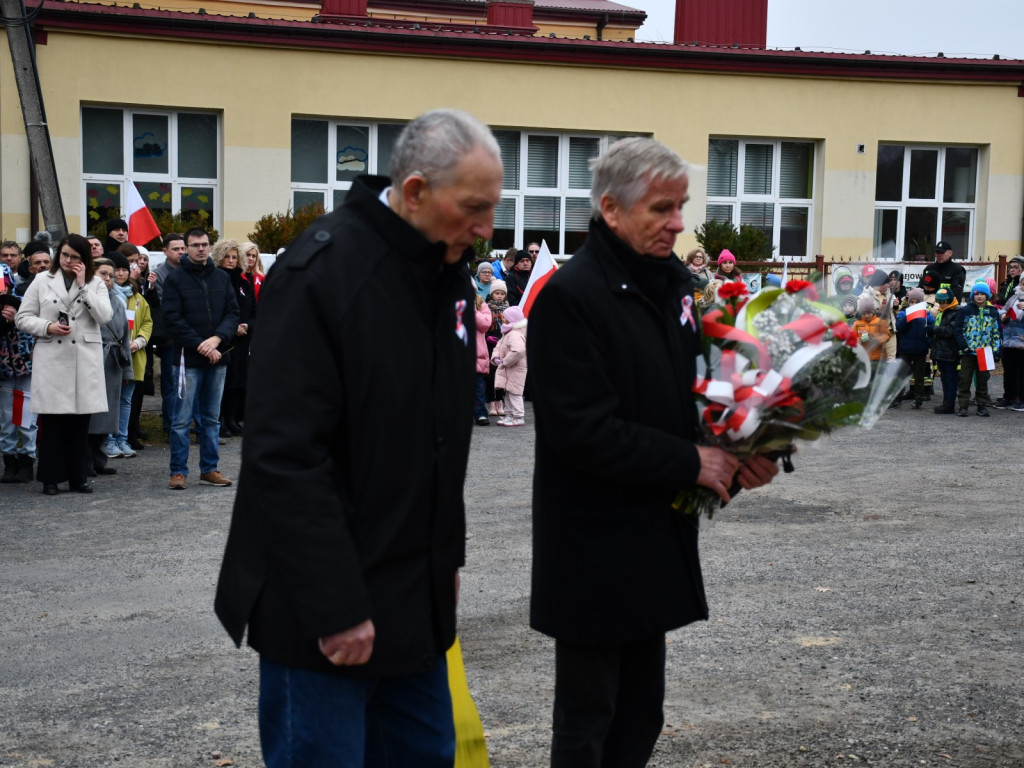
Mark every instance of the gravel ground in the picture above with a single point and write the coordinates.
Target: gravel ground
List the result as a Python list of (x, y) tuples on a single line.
[(865, 609)]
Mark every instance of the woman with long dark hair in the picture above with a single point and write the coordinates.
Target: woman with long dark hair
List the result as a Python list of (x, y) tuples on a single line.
[(64, 309)]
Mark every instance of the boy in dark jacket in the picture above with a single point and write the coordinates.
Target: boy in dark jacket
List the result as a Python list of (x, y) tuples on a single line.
[(913, 338), (945, 353)]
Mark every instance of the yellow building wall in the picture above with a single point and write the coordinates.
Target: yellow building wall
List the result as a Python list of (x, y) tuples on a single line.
[(258, 90)]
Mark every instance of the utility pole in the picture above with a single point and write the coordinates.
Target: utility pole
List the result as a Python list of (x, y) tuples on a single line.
[(23, 57)]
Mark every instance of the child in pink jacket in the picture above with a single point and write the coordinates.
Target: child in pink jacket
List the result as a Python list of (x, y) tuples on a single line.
[(483, 363), (510, 358)]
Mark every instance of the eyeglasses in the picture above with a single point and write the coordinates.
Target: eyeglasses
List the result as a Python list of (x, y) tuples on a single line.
[(70, 256)]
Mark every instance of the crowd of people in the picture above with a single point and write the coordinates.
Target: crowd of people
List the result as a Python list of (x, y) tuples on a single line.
[(939, 330), (81, 326)]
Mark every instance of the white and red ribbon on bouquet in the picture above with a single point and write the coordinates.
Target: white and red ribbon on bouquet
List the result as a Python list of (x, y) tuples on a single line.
[(739, 393)]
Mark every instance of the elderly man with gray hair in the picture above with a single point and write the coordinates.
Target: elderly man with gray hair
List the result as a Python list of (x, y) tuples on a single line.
[(343, 553), (613, 342)]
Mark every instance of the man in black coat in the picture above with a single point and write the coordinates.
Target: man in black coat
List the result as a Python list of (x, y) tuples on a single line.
[(348, 529), (943, 271), (613, 342)]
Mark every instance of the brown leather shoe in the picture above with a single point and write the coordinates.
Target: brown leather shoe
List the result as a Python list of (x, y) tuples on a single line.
[(214, 478), (177, 483)]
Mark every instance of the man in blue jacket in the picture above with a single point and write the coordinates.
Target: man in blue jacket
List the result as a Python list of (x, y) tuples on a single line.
[(201, 317)]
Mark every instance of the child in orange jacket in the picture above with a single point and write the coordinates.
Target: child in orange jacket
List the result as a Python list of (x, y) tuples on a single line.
[(871, 330)]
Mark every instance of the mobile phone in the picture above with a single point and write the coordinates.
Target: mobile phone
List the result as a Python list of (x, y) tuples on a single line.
[(63, 318)]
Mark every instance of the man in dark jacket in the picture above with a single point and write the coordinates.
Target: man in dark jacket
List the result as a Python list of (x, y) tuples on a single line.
[(612, 361), (200, 317), (943, 271), (342, 556)]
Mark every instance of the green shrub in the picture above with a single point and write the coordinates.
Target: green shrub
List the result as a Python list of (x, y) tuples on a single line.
[(746, 244), (277, 230)]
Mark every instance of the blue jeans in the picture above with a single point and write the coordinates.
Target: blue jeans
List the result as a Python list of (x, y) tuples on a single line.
[(322, 719), (127, 388), (168, 383), (205, 386), (9, 431), (480, 408), (948, 377)]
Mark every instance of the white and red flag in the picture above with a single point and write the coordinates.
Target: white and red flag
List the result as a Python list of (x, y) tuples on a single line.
[(917, 311), (141, 227), (542, 271), (986, 360), (21, 416)]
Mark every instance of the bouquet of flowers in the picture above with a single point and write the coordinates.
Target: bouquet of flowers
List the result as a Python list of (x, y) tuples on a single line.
[(778, 367)]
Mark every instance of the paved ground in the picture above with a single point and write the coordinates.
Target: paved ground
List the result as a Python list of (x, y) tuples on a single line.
[(865, 609)]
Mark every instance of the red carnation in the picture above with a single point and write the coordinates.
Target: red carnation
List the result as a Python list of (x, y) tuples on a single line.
[(732, 290), (795, 286)]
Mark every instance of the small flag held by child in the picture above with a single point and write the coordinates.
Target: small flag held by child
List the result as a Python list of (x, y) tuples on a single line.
[(986, 360)]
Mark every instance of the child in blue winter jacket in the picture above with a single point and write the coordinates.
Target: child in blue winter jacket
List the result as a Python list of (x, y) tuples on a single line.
[(913, 338), (976, 327)]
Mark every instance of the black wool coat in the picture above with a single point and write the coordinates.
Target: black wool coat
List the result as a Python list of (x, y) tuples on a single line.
[(350, 497), (612, 374)]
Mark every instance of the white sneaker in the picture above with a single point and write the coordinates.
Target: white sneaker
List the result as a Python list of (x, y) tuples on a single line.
[(110, 450), (504, 422), (517, 422), (126, 450)]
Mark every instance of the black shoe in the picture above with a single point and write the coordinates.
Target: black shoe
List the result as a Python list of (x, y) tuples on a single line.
[(982, 410), (945, 408), (917, 405), (85, 488), (51, 489), (1002, 403), (483, 421), (962, 412), (106, 471)]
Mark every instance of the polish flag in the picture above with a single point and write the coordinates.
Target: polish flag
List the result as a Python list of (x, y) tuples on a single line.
[(917, 311), (986, 360), (130, 314), (141, 227), (21, 416), (542, 271)]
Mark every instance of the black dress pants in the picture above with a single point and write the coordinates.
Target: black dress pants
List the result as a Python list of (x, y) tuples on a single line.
[(608, 704), (61, 448)]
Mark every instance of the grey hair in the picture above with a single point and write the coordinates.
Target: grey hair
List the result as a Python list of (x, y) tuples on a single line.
[(432, 144), (629, 166)]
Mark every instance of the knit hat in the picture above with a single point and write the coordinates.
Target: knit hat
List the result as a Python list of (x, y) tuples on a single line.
[(726, 255), (943, 296), (484, 266), (981, 288), (113, 224), (119, 260), (865, 305), (915, 295), (35, 246), (896, 274), (512, 316), (773, 280), (878, 279), (498, 285)]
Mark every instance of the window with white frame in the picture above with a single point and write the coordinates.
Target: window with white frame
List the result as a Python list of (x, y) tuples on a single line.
[(924, 194), (545, 192), (328, 155), (546, 188), (764, 183), (172, 157)]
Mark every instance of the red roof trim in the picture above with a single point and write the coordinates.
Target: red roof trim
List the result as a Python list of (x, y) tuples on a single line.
[(485, 42)]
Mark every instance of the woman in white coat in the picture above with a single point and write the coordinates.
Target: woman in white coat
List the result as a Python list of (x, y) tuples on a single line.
[(64, 309)]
